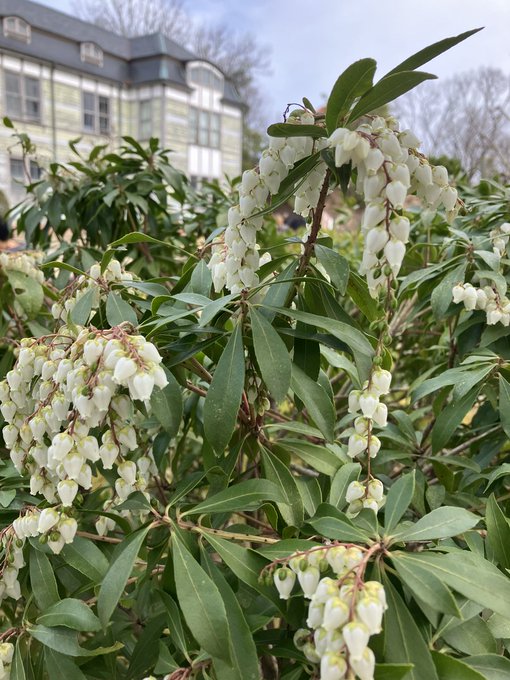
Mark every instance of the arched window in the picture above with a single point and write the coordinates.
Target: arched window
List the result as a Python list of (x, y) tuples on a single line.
[(205, 76), (18, 28), (91, 53)]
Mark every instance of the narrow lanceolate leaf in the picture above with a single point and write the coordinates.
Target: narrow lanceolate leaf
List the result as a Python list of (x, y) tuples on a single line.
[(42, 579), (272, 355), (247, 495), (318, 457), (504, 404), (200, 602), (403, 641), (392, 671), (336, 266), (118, 310), (449, 668), (349, 472), (120, 570), (387, 90), (398, 500), (332, 523), (441, 523), (65, 641), (278, 473), (81, 311), (70, 613), (471, 576), (167, 405), (498, 532), (18, 668), (224, 395), (317, 402), (430, 52), (244, 664), (351, 336), (292, 130), (60, 667), (84, 556), (491, 666), (351, 84), (426, 586), (451, 417)]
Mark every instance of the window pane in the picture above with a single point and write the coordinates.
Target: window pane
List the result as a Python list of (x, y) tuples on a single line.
[(215, 121), (104, 125), (35, 171), (203, 137), (204, 119), (31, 88), (13, 105), (88, 121), (13, 83), (17, 172), (104, 104), (32, 109), (89, 101), (215, 139)]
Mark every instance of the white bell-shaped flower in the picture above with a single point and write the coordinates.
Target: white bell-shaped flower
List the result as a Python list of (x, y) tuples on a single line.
[(284, 580)]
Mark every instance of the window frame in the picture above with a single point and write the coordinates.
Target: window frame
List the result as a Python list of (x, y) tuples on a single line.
[(206, 135), (101, 120), (22, 30), (201, 75), (34, 169), (23, 97)]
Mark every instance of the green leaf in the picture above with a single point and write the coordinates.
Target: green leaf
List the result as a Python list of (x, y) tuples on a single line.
[(331, 523), (317, 402), (430, 52), (351, 336), (278, 473), (318, 457), (200, 602), (441, 296), (244, 664), (246, 495), (387, 90), (449, 668), (293, 130), (70, 613), (17, 671), (392, 671), (84, 556), (471, 576), (504, 404), (349, 472), (403, 640), (42, 579), (441, 523), (81, 311), (451, 417), (28, 292), (351, 84), (60, 667), (118, 310), (65, 641), (224, 395), (398, 500), (426, 586), (174, 620), (120, 570), (272, 355), (336, 266), (491, 666), (167, 405), (498, 532)]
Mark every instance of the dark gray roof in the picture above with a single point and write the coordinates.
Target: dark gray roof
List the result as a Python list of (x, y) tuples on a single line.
[(56, 38)]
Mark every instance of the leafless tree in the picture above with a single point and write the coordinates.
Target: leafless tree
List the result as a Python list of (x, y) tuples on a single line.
[(466, 117), (238, 55)]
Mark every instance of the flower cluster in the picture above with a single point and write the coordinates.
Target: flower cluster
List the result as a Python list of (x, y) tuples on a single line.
[(496, 306), (344, 610), (235, 257), (6, 654), (366, 402), (389, 168), (96, 281), (499, 238), (25, 263), (71, 404)]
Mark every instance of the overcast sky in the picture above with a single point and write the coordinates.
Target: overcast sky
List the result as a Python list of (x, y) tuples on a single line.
[(312, 41)]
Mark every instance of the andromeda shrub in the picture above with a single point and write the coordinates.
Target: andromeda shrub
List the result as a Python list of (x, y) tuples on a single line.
[(256, 457)]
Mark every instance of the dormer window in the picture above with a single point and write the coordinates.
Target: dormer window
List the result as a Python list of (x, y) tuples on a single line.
[(205, 76), (91, 53), (17, 28)]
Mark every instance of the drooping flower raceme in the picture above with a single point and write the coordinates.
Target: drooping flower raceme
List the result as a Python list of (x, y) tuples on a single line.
[(344, 611)]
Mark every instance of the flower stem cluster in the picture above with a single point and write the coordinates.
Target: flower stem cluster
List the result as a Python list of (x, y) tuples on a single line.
[(344, 610)]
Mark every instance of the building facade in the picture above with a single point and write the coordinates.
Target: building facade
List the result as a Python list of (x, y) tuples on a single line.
[(63, 78)]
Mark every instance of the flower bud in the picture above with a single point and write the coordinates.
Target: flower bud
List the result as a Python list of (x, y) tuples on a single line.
[(333, 667), (376, 489), (67, 490), (284, 580), (356, 638), (47, 519), (355, 491), (308, 580), (364, 666), (336, 613)]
